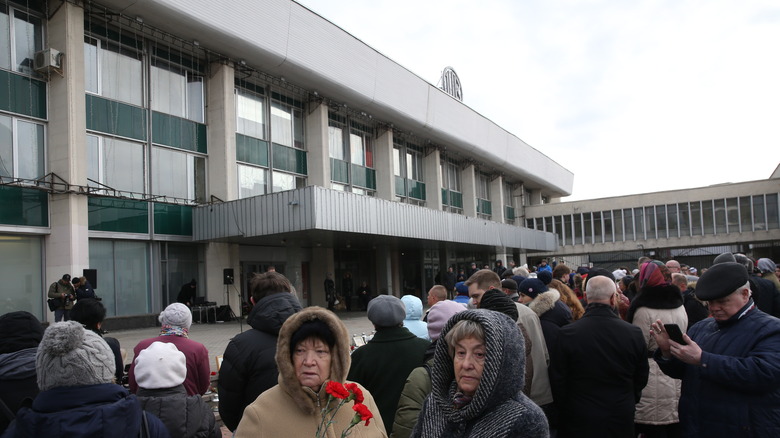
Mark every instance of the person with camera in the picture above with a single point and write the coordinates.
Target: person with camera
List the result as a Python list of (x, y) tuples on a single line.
[(63, 291)]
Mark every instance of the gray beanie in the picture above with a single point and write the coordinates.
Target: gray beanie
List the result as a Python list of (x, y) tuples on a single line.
[(386, 311), (68, 355), (177, 314), (725, 257)]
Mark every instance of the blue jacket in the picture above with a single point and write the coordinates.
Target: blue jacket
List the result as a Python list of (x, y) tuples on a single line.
[(413, 321), (104, 410), (736, 390)]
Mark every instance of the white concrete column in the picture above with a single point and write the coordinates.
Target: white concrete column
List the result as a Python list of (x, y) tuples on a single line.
[(317, 147), (386, 275), (468, 178), (432, 175), (67, 247), (497, 200), (223, 179), (218, 257), (383, 163)]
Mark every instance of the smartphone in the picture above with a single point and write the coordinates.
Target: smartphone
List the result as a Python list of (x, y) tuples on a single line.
[(675, 333)]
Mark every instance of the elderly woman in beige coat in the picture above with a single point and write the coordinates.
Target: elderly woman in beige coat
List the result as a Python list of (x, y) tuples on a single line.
[(656, 413), (312, 350)]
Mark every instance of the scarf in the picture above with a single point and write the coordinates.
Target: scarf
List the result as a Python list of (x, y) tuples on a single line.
[(460, 400), (174, 330), (650, 275)]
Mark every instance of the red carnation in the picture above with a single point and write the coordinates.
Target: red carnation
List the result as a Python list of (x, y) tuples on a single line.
[(355, 390), (337, 390), (364, 412)]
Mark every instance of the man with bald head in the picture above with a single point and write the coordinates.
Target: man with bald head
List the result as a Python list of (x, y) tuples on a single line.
[(435, 294), (598, 368), (674, 267)]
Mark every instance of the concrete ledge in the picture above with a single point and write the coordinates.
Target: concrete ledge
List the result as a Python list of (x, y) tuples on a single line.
[(131, 322)]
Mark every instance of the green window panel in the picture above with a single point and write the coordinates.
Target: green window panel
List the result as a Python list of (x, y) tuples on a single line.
[(444, 196), (22, 95), (400, 186), (339, 171), (456, 199), (173, 219), (24, 207), (251, 150), (115, 118), (289, 159), (363, 177), (484, 207), (416, 189), (119, 215), (179, 133), (510, 213)]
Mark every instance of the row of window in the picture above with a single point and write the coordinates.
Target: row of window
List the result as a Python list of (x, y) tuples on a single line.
[(717, 216)]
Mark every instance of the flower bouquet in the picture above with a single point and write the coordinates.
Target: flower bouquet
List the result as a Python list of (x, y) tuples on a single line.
[(343, 392)]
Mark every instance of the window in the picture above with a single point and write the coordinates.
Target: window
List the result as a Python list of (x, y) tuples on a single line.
[(115, 164), (452, 196), (250, 114), (746, 214), (618, 225), (286, 125), (733, 215), (113, 71), (21, 36), (484, 207), (720, 216), (560, 230), (177, 90), (352, 154), (408, 171), (22, 260), (628, 224), (21, 148), (759, 222), (685, 220), (251, 181), (178, 174), (696, 226), (509, 205), (708, 215), (124, 270)]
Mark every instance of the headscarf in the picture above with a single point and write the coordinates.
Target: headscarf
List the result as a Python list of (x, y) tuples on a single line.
[(650, 275)]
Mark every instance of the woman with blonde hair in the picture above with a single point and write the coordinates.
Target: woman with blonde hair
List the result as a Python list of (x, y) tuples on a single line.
[(569, 298)]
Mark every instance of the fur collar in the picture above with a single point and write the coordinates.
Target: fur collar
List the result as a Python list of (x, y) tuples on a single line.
[(658, 297), (340, 359), (545, 301)]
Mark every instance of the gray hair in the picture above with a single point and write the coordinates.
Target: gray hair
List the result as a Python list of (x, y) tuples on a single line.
[(463, 329), (600, 288)]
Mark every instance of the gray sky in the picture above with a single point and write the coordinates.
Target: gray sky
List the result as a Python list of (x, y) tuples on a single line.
[(632, 96)]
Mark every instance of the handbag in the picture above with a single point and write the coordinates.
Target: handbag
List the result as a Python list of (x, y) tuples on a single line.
[(54, 303)]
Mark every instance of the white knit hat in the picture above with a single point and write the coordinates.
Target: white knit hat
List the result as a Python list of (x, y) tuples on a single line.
[(68, 355), (160, 365), (176, 314)]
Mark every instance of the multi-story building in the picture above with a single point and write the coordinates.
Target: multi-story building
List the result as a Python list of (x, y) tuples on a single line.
[(164, 140)]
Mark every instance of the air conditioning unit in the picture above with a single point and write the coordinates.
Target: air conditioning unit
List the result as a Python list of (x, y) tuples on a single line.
[(47, 60)]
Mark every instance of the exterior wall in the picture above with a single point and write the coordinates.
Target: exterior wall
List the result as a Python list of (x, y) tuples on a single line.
[(433, 182), (222, 133), (317, 134), (383, 163)]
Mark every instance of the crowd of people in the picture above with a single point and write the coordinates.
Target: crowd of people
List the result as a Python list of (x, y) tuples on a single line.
[(654, 351)]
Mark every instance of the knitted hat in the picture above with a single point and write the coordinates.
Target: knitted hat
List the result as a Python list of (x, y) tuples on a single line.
[(160, 365), (20, 330), (69, 355), (461, 288), (497, 300), (386, 311), (766, 265), (439, 314), (545, 276), (531, 287), (176, 314), (720, 280), (509, 284)]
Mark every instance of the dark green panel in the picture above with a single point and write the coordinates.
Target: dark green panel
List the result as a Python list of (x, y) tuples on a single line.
[(22, 95), (444, 198), (484, 207), (173, 219), (179, 133), (116, 118), (456, 199), (510, 213), (416, 189), (400, 186), (289, 159), (363, 177), (251, 150), (24, 207), (339, 171), (119, 215), (288, 100)]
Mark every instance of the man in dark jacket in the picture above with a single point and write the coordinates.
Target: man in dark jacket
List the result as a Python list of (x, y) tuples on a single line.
[(21, 334), (598, 369), (249, 365), (765, 294), (730, 366), (384, 363)]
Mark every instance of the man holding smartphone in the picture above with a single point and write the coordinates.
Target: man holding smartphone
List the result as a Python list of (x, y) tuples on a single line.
[(730, 367)]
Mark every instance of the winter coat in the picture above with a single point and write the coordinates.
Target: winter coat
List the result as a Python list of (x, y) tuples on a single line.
[(384, 363), (597, 372), (18, 380), (184, 416), (291, 410), (413, 320), (57, 289), (198, 377), (695, 309), (736, 390), (498, 407), (553, 314), (249, 365), (103, 410), (416, 390), (540, 392), (766, 295), (658, 405)]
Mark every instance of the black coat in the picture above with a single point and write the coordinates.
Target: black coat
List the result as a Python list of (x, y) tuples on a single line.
[(184, 416), (249, 363), (597, 372), (765, 295)]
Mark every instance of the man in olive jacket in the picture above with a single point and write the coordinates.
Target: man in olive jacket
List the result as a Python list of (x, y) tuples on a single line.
[(384, 363)]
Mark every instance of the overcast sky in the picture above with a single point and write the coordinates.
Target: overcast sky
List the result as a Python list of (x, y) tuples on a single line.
[(632, 96)]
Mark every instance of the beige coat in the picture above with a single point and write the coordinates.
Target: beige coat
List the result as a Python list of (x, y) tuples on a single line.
[(289, 409)]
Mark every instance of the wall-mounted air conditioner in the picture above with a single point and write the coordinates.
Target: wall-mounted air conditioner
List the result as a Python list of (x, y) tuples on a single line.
[(47, 60)]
